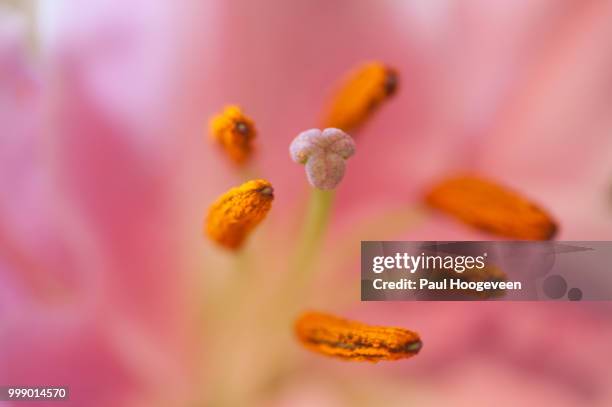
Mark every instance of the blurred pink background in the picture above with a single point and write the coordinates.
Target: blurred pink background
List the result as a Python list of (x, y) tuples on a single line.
[(107, 284)]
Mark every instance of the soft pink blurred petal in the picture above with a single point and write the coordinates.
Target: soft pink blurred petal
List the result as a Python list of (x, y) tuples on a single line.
[(99, 223)]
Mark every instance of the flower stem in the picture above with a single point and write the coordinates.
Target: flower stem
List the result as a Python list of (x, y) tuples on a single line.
[(315, 223)]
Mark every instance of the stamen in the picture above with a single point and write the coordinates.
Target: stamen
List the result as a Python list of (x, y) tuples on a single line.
[(489, 273), (324, 153), (360, 95), (492, 208), (350, 340), (237, 212), (234, 132)]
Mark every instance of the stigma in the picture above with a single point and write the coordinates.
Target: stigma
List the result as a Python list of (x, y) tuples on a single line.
[(324, 153)]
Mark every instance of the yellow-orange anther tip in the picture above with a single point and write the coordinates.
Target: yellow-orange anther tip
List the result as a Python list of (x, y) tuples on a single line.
[(350, 340), (237, 212), (360, 95), (234, 132), (493, 208), (267, 191)]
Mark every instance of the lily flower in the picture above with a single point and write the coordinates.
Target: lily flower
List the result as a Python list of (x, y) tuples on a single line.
[(108, 286)]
